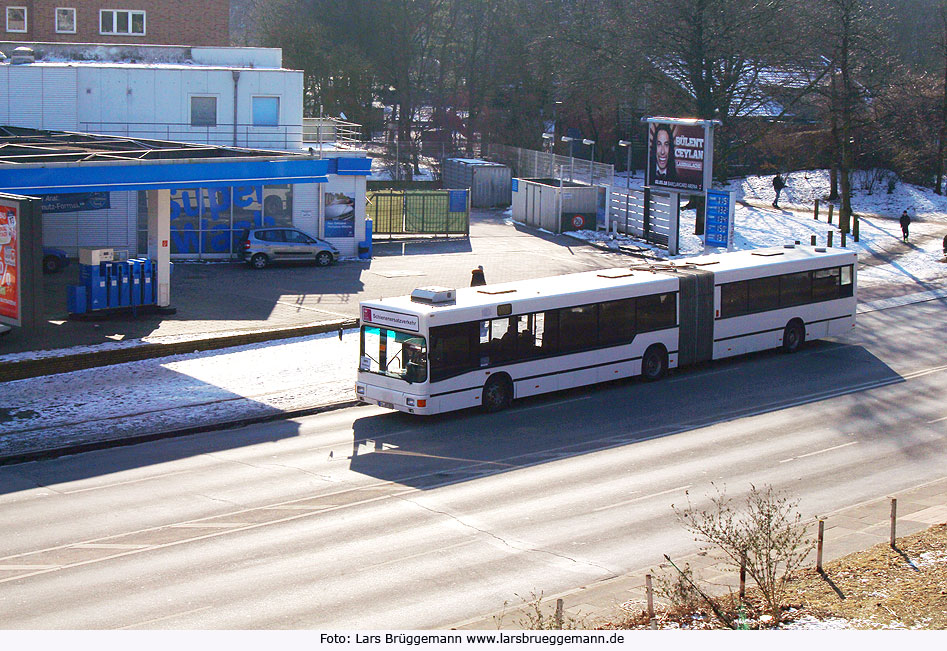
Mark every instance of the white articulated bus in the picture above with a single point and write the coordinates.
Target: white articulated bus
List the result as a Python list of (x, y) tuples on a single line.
[(443, 349)]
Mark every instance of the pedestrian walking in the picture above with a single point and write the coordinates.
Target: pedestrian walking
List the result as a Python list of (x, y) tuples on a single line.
[(778, 185), (476, 277), (905, 223), (945, 246)]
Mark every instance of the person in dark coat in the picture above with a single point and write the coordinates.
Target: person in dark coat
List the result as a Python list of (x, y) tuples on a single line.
[(778, 185), (476, 277), (945, 246), (905, 222)]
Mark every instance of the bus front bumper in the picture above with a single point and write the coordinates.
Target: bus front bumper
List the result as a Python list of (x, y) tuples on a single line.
[(391, 399)]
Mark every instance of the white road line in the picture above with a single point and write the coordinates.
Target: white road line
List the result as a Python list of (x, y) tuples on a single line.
[(643, 497), (812, 454), (124, 483), (931, 422), (555, 404), (159, 619)]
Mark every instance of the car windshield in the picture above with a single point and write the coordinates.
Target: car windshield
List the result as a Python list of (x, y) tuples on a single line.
[(395, 354)]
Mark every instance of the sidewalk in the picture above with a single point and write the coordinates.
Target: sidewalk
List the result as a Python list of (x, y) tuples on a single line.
[(847, 530)]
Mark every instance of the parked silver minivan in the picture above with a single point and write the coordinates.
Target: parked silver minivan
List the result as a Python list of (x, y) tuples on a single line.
[(261, 246)]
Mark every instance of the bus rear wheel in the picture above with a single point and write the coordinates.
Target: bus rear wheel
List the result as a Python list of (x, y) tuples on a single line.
[(793, 336), (654, 364), (497, 393)]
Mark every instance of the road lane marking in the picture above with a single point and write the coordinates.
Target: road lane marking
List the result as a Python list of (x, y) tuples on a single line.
[(812, 454), (931, 422), (643, 497), (160, 619), (124, 483)]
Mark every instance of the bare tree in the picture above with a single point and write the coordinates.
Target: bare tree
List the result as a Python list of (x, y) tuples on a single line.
[(766, 536)]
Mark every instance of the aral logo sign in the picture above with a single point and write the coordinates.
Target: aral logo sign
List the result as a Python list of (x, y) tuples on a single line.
[(390, 319)]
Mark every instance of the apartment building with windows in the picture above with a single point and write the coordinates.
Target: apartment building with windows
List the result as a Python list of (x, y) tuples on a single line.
[(152, 22)]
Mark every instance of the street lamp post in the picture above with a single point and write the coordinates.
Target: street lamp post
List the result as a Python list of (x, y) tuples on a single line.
[(627, 145), (591, 143), (569, 139), (549, 146)]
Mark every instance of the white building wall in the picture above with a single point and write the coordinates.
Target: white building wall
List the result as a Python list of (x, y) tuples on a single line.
[(38, 97)]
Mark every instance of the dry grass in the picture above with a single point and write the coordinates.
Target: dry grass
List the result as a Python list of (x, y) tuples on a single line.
[(877, 588)]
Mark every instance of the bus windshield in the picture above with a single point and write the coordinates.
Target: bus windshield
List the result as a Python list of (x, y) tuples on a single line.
[(393, 353)]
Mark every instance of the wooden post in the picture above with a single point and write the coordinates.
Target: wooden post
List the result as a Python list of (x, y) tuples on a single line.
[(843, 239), (815, 213), (829, 239), (813, 240), (831, 208), (855, 228), (894, 519), (649, 589), (818, 556), (559, 605)]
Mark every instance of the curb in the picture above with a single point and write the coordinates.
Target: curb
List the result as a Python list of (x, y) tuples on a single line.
[(52, 453), (79, 361)]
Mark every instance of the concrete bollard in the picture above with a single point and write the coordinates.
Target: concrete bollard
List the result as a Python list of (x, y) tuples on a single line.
[(855, 228)]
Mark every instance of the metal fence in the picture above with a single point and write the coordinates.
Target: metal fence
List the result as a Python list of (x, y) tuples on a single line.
[(420, 212), (646, 214), (530, 163)]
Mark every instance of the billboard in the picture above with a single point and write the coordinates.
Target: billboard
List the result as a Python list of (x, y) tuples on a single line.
[(677, 154), (9, 265)]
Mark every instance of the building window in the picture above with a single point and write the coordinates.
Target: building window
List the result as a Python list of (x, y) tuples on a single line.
[(203, 111), (16, 19), (122, 21), (266, 111), (65, 20)]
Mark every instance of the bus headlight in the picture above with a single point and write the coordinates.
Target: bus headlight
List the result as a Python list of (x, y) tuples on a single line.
[(360, 389), (409, 401)]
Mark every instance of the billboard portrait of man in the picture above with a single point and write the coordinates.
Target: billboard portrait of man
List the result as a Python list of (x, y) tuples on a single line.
[(676, 156), (661, 161)]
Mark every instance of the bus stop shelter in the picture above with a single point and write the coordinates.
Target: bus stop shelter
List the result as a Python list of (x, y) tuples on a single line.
[(38, 162)]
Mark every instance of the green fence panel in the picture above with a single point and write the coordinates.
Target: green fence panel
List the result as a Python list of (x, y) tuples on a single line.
[(387, 212), (425, 212), (420, 212)]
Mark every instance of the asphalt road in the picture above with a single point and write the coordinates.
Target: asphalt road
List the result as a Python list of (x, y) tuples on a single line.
[(361, 519)]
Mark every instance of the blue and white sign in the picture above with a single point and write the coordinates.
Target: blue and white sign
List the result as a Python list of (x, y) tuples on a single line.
[(515, 184), (457, 201), (718, 225)]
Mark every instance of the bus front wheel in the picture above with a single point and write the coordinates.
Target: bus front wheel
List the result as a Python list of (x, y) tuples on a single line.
[(497, 393), (654, 364), (793, 336)]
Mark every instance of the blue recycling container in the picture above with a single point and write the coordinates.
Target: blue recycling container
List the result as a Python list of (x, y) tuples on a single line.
[(111, 279), (134, 268), (98, 290), (76, 299), (365, 246), (147, 282), (124, 286)]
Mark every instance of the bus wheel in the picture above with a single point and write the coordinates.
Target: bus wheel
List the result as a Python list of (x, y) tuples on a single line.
[(654, 364), (497, 393), (793, 336)]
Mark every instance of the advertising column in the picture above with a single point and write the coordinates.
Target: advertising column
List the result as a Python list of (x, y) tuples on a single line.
[(9, 264), (20, 257)]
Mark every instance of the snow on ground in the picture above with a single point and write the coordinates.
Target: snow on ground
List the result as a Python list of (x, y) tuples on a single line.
[(758, 224), (218, 386)]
